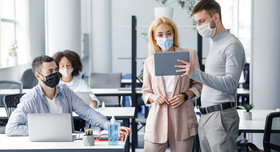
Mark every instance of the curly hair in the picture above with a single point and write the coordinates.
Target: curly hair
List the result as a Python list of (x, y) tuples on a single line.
[(73, 57)]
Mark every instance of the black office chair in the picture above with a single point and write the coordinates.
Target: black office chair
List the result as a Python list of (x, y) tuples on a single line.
[(11, 102), (28, 79), (271, 136)]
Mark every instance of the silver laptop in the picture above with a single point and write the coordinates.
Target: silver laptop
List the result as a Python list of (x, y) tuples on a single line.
[(84, 96), (50, 127), (165, 62)]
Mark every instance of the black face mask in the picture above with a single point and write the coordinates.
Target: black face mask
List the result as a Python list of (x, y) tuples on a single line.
[(52, 80)]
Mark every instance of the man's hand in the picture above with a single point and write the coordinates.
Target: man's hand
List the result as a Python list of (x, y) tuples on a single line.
[(176, 101), (124, 130), (187, 68), (159, 99)]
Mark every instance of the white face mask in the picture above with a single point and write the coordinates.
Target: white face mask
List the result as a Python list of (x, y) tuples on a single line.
[(206, 31), (66, 72)]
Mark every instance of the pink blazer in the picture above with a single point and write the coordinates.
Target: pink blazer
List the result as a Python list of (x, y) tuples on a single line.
[(157, 121)]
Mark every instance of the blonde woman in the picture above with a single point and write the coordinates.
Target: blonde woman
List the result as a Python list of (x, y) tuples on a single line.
[(171, 119)]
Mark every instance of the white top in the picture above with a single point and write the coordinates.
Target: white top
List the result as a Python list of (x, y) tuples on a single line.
[(79, 85), (54, 106), (168, 83)]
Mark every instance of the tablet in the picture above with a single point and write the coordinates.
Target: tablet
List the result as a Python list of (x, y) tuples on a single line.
[(165, 62)]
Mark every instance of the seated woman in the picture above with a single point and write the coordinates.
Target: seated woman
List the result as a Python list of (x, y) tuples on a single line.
[(70, 65)]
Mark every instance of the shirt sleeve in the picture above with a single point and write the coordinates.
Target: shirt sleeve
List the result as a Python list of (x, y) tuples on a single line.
[(235, 59), (86, 112)]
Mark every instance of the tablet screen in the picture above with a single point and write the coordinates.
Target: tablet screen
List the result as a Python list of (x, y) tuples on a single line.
[(165, 62)]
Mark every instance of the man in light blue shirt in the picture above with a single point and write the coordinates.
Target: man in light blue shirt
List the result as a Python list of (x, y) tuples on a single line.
[(48, 97)]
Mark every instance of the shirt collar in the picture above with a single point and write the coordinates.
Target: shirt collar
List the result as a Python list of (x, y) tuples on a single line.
[(220, 35), (39, 88)]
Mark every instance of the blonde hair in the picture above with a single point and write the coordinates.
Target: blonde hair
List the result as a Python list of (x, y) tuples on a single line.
[(153, 47)]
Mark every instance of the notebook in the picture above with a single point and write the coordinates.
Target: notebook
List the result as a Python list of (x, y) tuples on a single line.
[(165, 62), (84, 96), (50, 127)]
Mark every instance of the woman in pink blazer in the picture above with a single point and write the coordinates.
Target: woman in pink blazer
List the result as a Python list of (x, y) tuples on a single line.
[(171, 119)]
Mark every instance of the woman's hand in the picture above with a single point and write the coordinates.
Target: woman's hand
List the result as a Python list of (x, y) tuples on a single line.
[(176, 101), (124, 130), (187, 68), (159, 99)]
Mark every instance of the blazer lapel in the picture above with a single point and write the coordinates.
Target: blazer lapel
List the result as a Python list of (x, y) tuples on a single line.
[(176, 80)]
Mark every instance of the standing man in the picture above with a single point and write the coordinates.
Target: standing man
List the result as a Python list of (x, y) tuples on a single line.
[(218, 125)]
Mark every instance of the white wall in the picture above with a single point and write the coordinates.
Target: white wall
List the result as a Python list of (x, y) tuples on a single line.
[(265, 56), (265, 82), (36, 28), (63, 25), (101, 36), (122, 10)]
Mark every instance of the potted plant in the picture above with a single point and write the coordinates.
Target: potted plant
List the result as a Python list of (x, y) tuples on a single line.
[(163, 10), (88, 138), (247, 113), (166, 11)]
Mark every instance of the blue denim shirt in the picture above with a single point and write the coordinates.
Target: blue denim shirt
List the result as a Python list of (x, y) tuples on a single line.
[(35, 102)]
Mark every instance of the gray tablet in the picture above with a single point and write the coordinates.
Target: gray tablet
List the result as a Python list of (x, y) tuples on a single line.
[(165, 62)]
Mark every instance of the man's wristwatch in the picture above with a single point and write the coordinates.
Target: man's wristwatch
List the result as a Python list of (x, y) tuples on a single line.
[(186, 97)]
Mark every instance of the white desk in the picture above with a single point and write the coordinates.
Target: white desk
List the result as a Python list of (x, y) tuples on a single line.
[(23, 144), (115, 91), (12, 91), (256, 125), (118, 112)]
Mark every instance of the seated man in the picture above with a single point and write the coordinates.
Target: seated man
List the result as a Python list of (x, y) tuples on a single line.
[(48, 97)]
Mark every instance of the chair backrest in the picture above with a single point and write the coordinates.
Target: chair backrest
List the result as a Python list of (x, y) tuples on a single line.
[(9, 87), (271, 136), (28, 79), (11, 102), (106, 80)]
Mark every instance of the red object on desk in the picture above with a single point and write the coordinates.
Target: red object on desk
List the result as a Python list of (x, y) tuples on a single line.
[(121, 139)]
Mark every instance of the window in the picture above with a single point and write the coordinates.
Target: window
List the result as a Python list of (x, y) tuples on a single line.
[(14, 42), (236, 15)]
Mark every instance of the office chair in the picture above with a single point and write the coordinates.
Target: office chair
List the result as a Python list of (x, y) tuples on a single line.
[(11, 102), (4, 85), (106, 80), (271, 136), (28, 79)]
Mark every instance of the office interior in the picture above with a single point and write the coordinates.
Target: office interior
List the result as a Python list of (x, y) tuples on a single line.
[(100, 32)]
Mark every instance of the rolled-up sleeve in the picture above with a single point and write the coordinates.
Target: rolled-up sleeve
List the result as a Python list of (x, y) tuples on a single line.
[(86, 112)]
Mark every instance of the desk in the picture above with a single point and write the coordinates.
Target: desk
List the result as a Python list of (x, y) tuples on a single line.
[(256, 125), (115, 91), (23, 144), (123, 113)]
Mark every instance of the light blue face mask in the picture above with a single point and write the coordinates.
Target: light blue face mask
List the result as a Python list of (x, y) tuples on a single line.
[(165, 43)]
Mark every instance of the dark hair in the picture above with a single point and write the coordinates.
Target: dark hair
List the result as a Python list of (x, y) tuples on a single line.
[(73, 57), (38, 62), (210, 6)]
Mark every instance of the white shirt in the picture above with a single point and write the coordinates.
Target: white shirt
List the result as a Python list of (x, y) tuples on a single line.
[(168, 83), (79, 85), (54, 106)]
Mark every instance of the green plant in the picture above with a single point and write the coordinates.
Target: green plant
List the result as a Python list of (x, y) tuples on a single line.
[(89, 132), (248, 107)]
